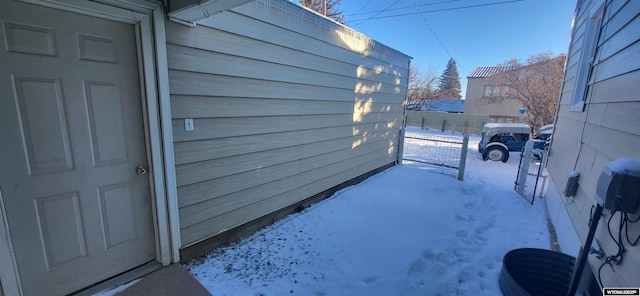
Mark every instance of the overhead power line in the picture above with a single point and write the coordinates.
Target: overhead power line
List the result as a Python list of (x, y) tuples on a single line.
[(373, 16), (431, 30), (362, 7), (357, 12), (428, 11)]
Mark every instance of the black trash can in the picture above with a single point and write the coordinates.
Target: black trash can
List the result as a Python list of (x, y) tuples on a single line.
[(534, 272)]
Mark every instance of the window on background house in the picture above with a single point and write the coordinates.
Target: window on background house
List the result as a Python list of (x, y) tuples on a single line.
[(587, 58), (499, 91)]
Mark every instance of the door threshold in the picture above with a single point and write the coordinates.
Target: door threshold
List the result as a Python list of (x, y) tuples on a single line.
[(119, 280)]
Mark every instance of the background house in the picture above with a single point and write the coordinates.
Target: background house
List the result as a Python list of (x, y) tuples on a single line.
[(481, 86), (597, 122), (140, 139)]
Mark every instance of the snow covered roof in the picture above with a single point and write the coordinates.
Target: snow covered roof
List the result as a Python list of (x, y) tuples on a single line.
[(441, 105), (482, 72)]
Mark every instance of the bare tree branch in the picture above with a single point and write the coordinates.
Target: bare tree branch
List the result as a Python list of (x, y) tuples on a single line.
[(535, 83), (422, 86), (328, 8)]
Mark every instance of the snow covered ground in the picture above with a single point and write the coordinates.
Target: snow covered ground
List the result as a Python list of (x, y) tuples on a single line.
[(405, 231)]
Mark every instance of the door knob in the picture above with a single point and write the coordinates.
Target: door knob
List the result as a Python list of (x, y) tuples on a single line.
[(141, 170)]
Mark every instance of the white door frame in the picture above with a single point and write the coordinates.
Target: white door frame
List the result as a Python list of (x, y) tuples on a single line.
[(148, 18)]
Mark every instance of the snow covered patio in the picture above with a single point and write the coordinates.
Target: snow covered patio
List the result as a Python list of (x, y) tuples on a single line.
[(405, 231)]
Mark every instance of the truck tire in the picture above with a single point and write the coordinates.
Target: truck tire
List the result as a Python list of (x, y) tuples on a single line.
[(495, 153)]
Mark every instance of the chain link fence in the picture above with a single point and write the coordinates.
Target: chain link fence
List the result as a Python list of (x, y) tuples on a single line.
[(530, 179), (441, 153)]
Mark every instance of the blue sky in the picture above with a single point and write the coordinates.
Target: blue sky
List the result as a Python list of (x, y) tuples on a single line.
[(474, 36)]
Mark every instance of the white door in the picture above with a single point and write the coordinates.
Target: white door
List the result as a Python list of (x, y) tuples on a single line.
[(72, 136)]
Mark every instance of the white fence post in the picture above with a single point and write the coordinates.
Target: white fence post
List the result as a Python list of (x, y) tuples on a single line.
[(463, 157), (400, 146), (521, 182)]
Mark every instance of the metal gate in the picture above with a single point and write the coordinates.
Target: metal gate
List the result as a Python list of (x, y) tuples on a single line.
[(443, 153), (529, 180)]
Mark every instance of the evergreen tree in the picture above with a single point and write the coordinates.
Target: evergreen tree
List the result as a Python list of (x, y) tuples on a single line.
[(449, 83), (332, 10)]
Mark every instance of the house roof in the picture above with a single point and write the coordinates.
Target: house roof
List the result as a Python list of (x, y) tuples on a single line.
[(451, 106), (482, 72)]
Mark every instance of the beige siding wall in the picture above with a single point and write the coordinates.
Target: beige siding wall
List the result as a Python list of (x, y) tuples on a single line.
[(607, 129), (474, 105), (285, 105)]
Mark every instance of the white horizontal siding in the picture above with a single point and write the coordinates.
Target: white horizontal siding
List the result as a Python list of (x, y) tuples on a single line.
[(231, 189), (208, 128), (209, 62), (201, 150), (219, 167), (607, 129), (623, 88), (291, 17), (282, 111), (232, 219), (197, 84)]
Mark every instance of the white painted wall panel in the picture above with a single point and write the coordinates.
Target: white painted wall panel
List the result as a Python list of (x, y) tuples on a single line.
[(588, 140), (285, 104)]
